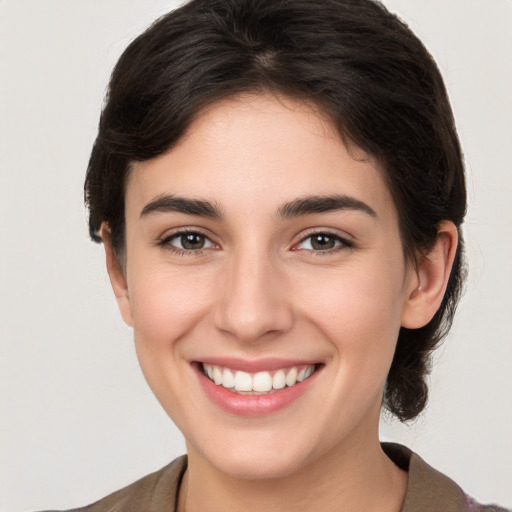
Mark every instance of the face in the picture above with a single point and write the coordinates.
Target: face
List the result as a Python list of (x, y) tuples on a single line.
[(266, 284)]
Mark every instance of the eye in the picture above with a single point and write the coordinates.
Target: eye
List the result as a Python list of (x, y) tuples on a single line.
[(187, 241), (323, 242)]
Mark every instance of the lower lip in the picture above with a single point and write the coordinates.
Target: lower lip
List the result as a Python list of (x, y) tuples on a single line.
[(253, 405)]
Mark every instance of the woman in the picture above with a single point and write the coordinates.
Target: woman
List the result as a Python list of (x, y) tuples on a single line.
[(279, 188)]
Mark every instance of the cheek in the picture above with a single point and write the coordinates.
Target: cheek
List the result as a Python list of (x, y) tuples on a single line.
[(167, 304), (354, 299), (358, 310)]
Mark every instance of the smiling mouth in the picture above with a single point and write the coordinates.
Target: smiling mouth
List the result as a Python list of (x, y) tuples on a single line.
[(259, 383)]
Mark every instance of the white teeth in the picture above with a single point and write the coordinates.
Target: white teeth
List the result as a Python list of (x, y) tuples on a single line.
[(279, 380), (217, 376), (291, 377), (260, 382), (243, 381), (228, 379)]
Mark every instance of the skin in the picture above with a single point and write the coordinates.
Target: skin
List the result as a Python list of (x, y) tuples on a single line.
[(260, 289)]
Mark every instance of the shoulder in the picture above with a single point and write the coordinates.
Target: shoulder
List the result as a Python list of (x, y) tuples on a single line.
[(429, 490), (152, 493)]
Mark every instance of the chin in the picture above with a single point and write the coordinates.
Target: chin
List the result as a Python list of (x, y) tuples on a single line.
[(259, 456), (257, 466)]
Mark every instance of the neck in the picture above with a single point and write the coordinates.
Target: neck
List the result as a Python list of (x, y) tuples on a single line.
[(355, 479)]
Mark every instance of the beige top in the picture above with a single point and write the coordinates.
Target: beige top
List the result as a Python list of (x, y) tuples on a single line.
[(427, 490)]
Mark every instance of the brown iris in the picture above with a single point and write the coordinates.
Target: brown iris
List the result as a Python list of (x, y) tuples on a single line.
[(192, 241), (322, 242)]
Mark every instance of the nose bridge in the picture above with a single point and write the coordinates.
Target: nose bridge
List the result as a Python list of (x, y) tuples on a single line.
[(252, 302)]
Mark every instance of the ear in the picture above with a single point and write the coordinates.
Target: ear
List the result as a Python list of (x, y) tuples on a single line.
[(117, 276), (427, 286)]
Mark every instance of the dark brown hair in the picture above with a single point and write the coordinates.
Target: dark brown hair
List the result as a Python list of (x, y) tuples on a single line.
[(354, 60)]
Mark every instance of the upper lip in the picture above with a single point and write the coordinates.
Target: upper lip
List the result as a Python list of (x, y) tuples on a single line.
[(255, 365)]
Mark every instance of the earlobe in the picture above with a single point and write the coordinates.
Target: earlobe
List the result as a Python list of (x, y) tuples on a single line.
[(432, 272), (117, 276)]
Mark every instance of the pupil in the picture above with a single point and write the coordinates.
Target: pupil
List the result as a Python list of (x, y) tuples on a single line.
[(322, 242), (192, 241)]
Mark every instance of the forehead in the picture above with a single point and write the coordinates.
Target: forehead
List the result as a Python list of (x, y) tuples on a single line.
[(257, 152)]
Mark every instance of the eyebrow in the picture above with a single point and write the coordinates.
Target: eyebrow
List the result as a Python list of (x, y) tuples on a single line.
[(298, 207), (323, 204), (170, 203)]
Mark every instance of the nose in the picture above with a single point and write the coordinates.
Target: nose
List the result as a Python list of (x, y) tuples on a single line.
[(253, 303)]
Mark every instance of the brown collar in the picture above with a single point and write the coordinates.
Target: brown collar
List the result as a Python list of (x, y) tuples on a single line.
[(428, 490)]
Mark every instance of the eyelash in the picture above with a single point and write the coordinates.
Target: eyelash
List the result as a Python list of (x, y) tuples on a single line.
[(343, 243), (165, 242)]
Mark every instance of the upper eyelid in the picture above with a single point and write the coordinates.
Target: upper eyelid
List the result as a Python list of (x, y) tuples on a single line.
[(164, 242), (346, 242), (183, 231), (325, 231)]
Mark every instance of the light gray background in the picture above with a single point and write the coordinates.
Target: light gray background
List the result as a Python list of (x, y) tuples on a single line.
[(77, 419)]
